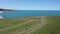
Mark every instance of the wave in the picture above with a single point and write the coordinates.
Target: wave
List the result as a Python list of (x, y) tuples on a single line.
[(1, 11), (1, 17)]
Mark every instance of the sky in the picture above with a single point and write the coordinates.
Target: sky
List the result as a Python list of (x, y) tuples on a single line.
[(30, 4)]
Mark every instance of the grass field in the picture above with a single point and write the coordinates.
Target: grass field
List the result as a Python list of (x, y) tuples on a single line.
[(31, 25), (52, 27), (10, 22), (14, 26)]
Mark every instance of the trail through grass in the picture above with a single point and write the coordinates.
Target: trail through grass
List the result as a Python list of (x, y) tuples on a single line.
[(52, 27)]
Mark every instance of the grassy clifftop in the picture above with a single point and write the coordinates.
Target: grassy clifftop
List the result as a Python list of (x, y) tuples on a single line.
[(53, 26), (17, 25)]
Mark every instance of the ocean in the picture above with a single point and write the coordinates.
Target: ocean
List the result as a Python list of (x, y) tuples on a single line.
[(24, 13)]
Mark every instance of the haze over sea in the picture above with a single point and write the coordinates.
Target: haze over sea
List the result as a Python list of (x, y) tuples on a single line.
[(24, 13)]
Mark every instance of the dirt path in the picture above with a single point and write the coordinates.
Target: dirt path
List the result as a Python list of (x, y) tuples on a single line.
[(16, 25), (27, 27), (32, 29), (43, 23)]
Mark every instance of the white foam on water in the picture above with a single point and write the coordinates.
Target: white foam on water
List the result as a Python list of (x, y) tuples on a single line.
[(1, 11), (1, 17)]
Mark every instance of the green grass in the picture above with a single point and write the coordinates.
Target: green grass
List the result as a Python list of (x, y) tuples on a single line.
[(52, 27), (10, 22), (18, 28)]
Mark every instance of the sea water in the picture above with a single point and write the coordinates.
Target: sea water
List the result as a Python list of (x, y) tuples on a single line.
[(24, 13)]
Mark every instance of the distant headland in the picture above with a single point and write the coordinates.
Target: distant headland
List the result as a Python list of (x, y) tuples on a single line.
[(6, 10)]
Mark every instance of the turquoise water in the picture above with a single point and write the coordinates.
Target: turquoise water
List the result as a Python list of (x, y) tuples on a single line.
[(23, 13)]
